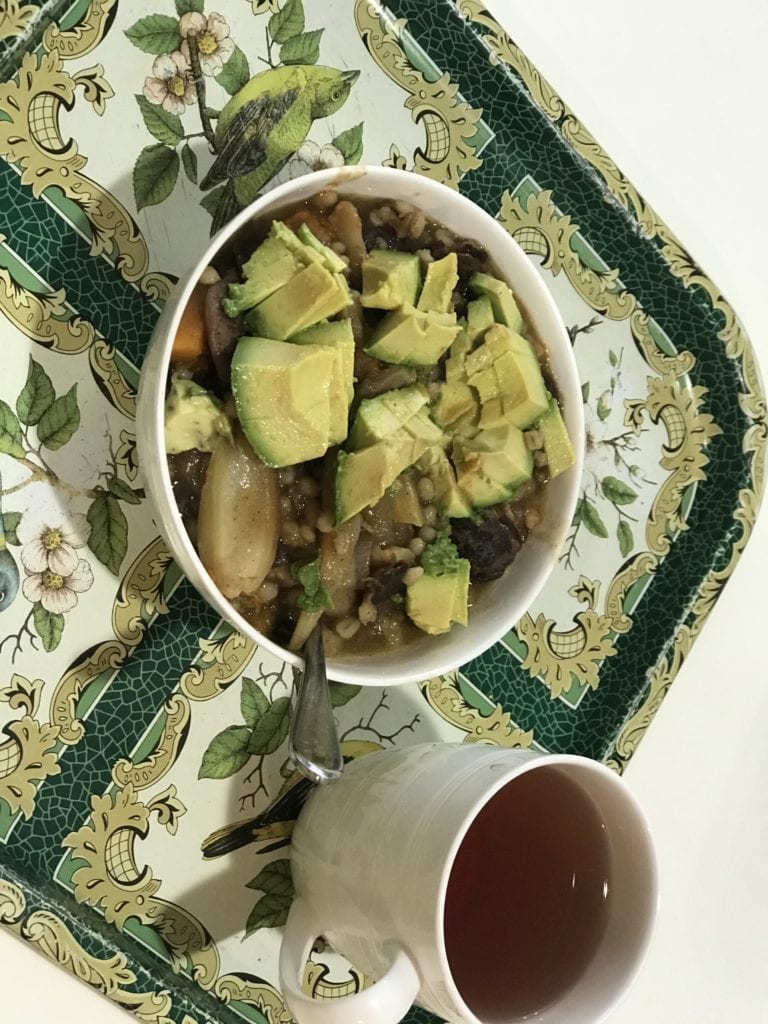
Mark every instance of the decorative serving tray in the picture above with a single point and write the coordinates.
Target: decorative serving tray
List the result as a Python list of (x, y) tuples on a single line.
[(134, 721)]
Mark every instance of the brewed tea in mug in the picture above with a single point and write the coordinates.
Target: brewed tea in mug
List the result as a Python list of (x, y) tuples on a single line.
[(539, 845), (489, 885)]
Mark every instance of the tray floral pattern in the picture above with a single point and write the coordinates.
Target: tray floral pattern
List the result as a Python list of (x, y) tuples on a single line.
[(135, 722)]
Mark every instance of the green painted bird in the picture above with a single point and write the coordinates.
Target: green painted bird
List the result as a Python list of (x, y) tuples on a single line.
[(264, 124)]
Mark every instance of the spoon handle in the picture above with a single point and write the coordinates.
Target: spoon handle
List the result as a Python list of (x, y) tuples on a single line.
[(314, 741)]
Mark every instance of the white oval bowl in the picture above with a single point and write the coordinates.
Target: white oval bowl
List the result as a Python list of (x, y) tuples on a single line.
[(496, 606)]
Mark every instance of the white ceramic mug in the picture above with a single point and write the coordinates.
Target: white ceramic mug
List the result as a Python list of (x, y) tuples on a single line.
[(444, 872)]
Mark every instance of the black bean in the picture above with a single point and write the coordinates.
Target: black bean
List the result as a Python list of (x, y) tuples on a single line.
[(187, 471), (386, 583), (490, 545)]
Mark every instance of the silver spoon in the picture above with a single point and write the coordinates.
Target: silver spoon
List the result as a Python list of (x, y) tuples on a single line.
[(314, 742)]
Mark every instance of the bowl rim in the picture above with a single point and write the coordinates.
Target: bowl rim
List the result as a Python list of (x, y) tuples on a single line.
[(152, 393)]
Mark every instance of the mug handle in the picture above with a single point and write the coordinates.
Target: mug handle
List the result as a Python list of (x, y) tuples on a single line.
[(385, 1002)]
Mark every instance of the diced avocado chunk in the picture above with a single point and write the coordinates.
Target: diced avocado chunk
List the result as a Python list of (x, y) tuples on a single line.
[(363, 476), (280, 257), (434, 603), (193, 418), (412, 337), (441, 278), (283, 397), (491, 465), (331, 260), (557, 443), (454, 401), (421, 427), (505, 309), (448, 498), (312, 295), (379, 417), (440, 596), (406, 506), (336, 334), (390, 279), (479, 319), (507, 375)]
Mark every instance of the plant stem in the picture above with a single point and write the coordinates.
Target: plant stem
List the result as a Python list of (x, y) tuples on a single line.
[(199, 82), (40, 474), (18, 637), (268, 59)]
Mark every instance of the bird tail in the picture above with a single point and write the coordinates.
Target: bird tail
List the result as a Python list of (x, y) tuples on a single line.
[(276, 822), (226, 209)]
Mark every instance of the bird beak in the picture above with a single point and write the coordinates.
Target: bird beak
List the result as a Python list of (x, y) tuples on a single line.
[(350, 77)]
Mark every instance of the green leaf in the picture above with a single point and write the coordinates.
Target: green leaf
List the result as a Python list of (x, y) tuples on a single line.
[(189, 160), (591, 519), (275, 878), (272, 728), (585, 392), (157, 33), (187, 6), (604, 405), (10, 432), (626, 540), (109, 531), (123, 492), (235, 72), (287, 22), (315, 597), (342, 693), (210, 201), (11, 522), (617, 491), (578, 513), (166, 127), (37, 395), (49, 626), (270, 912), (613, 359), (302, 49), (254, 703), (60, 421), (350, 144), (226, 754), (155, 174)]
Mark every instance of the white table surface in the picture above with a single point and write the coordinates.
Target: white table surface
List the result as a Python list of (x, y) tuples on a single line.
[(675, 90)]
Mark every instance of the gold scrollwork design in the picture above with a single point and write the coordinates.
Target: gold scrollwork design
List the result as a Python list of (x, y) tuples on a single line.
[(541, 230), (28, 756), (85, 35), (139, 599), (12, 902), (443, 696), (165, 752), (112, 880), (503, 51), (15, 19), (315, 982), (449, 123), (222, 659), (253, 992), (44, 318), (31, 138), (110, 975), (110, 380)]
